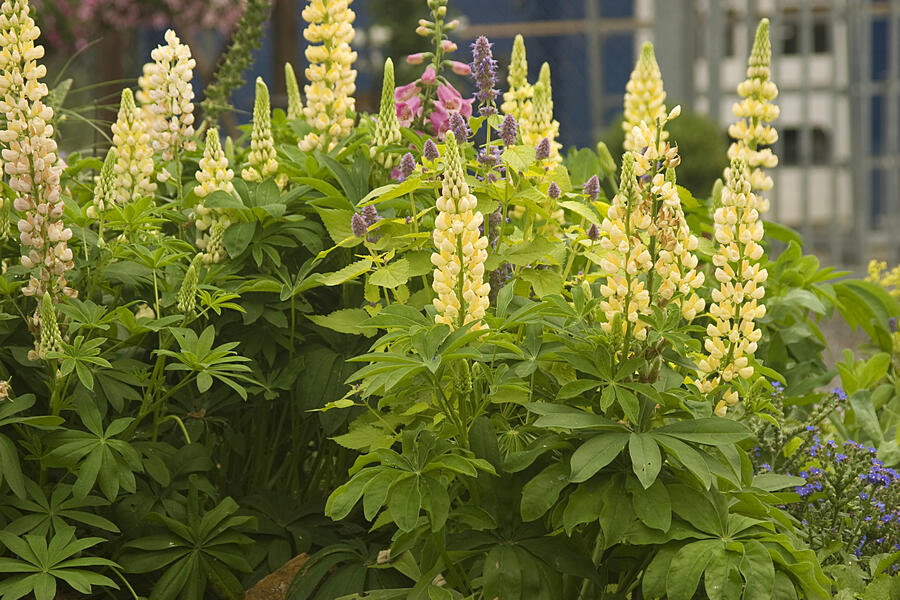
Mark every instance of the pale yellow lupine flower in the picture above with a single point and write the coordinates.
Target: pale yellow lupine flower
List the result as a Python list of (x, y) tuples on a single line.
[(462, 292), (214, 175), (756, 113), (387, 127), (625, 296), (295, 103), (520, 91), (732, 336), (330, 106), (134, 155), (888, 279), (104, 196), (171, 96), (537, 121), (30, 157), (668, 235), (676, 263), (261, 160), (644, 96)]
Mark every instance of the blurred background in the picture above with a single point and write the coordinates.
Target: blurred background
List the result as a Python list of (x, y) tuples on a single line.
[(836, 63)]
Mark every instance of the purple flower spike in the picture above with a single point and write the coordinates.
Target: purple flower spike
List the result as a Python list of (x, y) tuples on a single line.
[(459, 127), (358, 225), (593, 232), (484, 70), (407, 165), (508, 130), (370, 214), (553, 191), (430, 150), (591, 188), (892, 324), (542, 151)]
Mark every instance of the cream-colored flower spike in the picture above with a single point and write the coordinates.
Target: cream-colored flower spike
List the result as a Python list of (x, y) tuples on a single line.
[(29, 156), (462, 292), (171, 96), (330, 106), (520, 91), (736, 303), (134, 155), (261, 160), (387, 127), (644, 96), (103, 186), (756, 114), (295, 103), (538, 122), (214, 175), (626, 299), (676, 263)]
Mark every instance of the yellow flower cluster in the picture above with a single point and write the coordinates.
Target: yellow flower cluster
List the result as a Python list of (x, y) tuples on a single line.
[(627, 258), (672, 243), (295, 103), (676, 263), (644, 97), (261, 161), (103, 186), (537, 119), (171, 95), (732, 336), (387, 127), (29, 154), (214, 175), (462, 293), (888, 279), (134, 156), (756, 113), (332, 80), (520, 91)]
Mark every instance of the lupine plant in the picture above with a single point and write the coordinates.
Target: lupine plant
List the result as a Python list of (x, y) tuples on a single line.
[(426, 347)]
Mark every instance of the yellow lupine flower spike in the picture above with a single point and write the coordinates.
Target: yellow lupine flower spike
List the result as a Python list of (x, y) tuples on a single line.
[(676, 263), (261, 160), (626, 259), (330, 106), (214, 175), (30, 157), (736, 303), (756, 113), (538, 122), (520, 91), (295, 103), (644, 97), (171, 96), (387, 127), (462, 293), (134, 155)]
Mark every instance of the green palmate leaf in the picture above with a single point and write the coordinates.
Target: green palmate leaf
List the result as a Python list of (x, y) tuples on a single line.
[(220, 199), (540, 494), (711, 431), (347, 273), (393, 275), (652, 505), (582, 210), (758, 571), (405, 502), (347, 320), (238, 237), (544, 281), (519, 158), (596, 453), (686, 568), (646, 460)]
